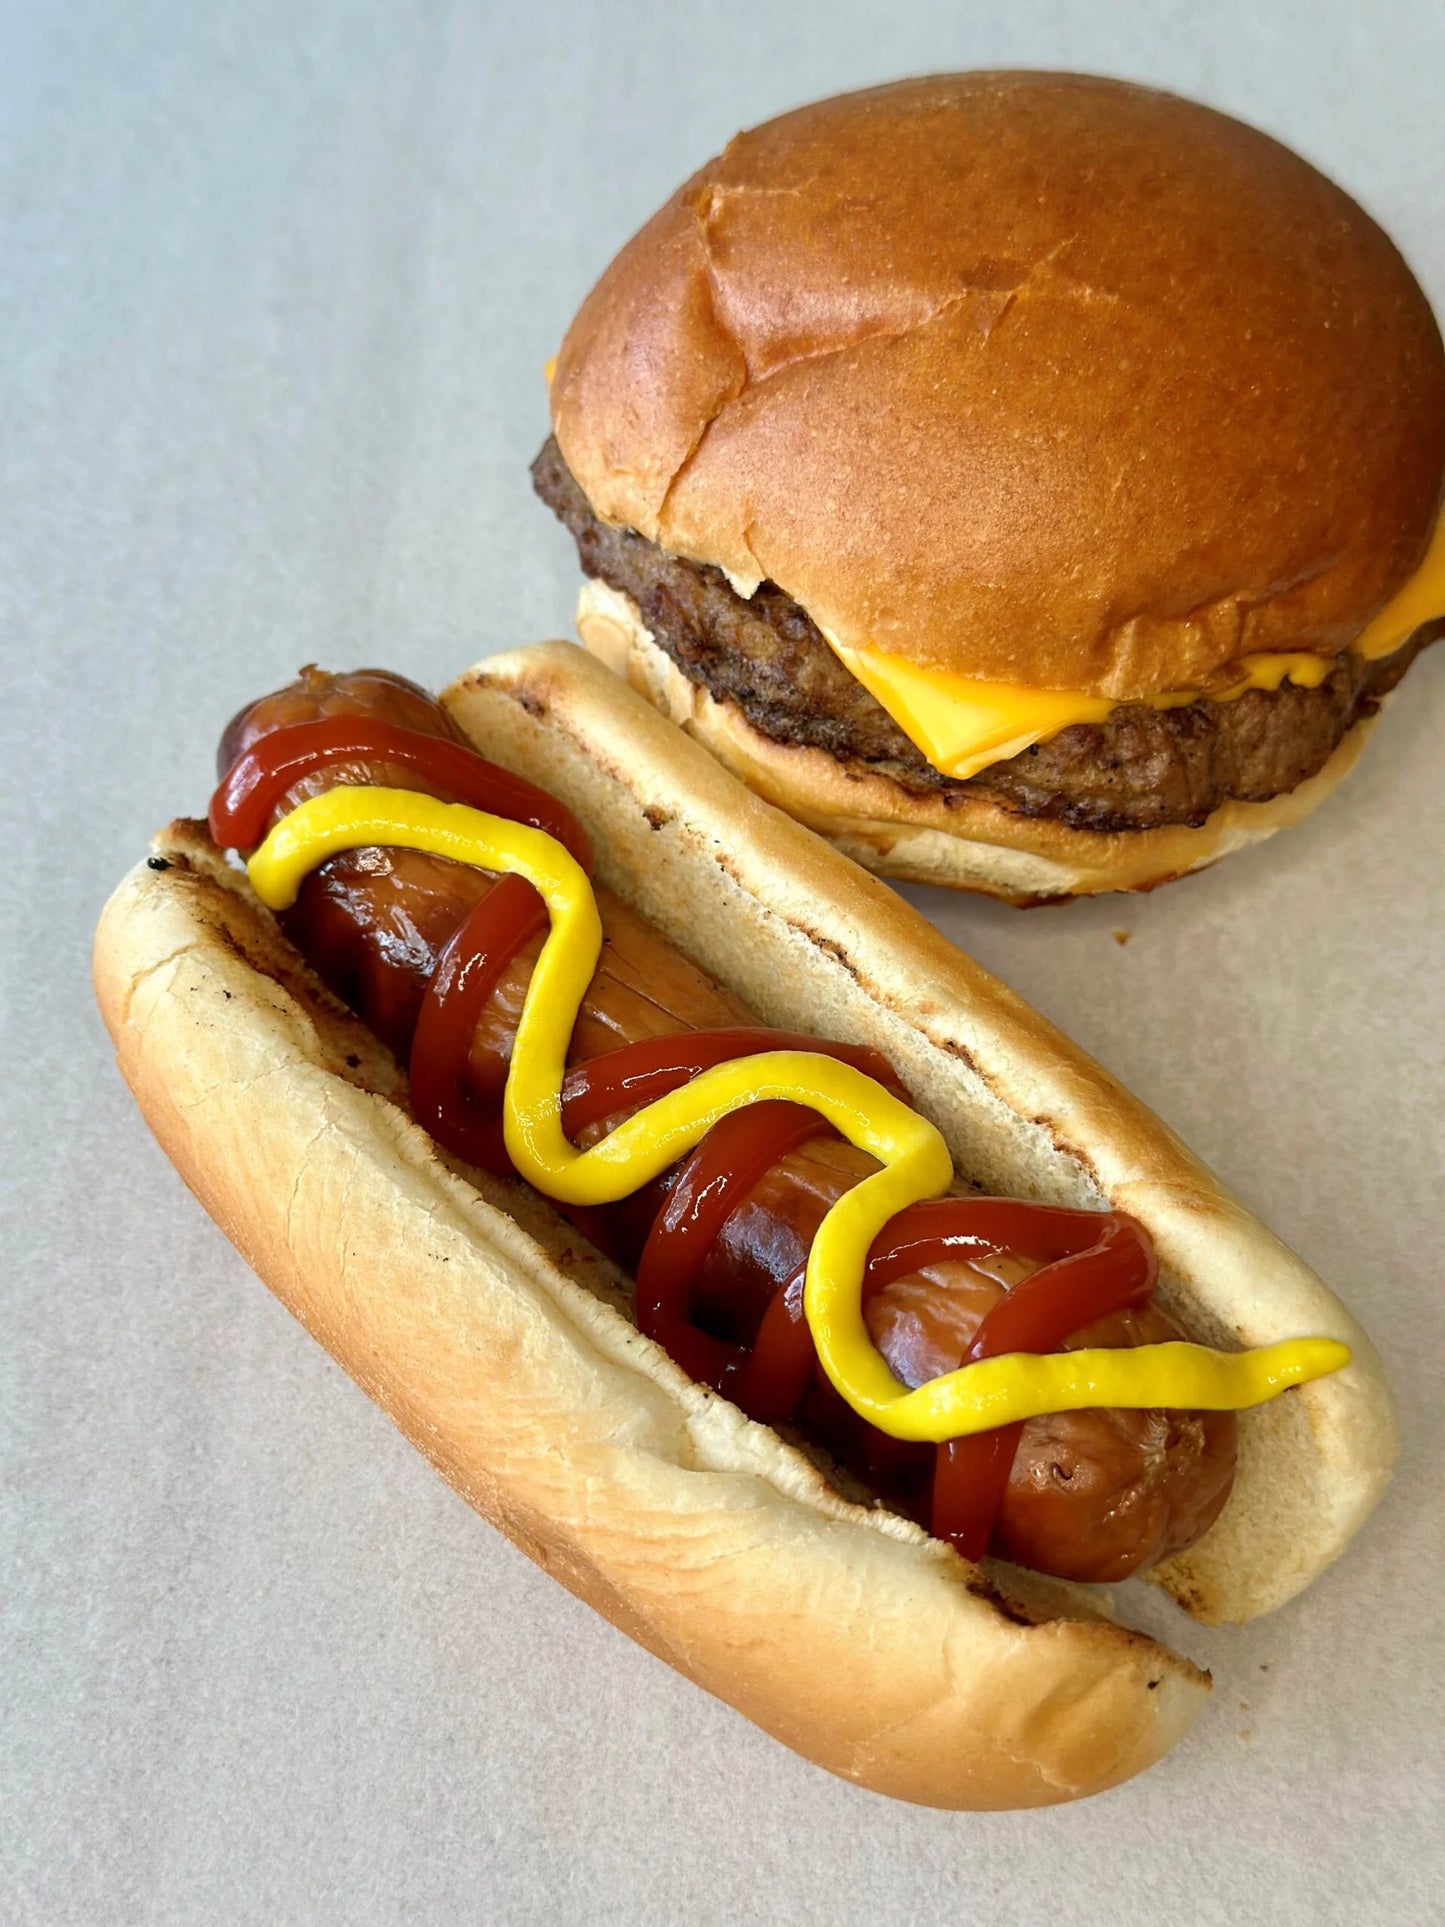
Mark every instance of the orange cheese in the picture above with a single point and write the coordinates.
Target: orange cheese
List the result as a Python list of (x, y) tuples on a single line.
[(962, 725), (1421, 600)]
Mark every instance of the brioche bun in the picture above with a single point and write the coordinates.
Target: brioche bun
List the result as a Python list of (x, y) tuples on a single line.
[(1043, 379)]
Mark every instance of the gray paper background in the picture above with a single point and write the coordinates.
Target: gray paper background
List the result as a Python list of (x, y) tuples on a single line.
[(276, 284)]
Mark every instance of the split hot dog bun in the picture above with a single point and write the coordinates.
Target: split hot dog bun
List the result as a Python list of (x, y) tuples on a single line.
[(499, 1343)]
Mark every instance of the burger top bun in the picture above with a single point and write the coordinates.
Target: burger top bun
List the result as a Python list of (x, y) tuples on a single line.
[(1041, 378)]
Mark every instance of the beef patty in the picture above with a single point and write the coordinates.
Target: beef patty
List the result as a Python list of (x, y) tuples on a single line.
[(1139, 769)]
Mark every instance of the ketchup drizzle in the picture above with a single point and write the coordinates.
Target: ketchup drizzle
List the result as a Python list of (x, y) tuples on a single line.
[(261, 775), (1091, 1263), (467, 973)]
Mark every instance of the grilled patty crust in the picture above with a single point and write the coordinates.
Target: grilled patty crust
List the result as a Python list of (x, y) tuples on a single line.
[(1139, 769)]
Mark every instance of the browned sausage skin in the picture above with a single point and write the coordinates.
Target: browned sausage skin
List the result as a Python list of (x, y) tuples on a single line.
[(1093, 1495)]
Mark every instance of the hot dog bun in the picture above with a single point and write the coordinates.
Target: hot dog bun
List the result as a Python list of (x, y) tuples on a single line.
[(494, 1337)]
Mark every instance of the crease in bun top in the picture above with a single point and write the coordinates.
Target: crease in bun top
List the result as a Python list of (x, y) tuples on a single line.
[(1031, 481)]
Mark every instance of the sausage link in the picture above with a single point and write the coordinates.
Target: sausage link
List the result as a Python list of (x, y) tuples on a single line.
[(1093, 1495)]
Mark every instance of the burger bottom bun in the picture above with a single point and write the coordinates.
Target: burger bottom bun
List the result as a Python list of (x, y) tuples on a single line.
[(969, 844), (499, 1342)]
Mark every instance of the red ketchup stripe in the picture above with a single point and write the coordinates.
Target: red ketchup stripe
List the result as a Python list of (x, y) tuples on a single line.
[(1091, 1264), (736, 1153), (260, 777), (774, 1382), (1115, 1269), (466, 976)]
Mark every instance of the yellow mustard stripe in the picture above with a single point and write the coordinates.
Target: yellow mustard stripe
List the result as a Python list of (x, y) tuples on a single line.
[(914, 1159), (1017, 1385)]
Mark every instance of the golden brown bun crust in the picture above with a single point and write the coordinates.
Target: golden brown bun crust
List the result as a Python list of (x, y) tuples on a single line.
[(970, 843), (490, 1334), (1047, 379)]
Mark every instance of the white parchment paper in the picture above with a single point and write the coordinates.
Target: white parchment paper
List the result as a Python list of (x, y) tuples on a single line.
[(276, 286)]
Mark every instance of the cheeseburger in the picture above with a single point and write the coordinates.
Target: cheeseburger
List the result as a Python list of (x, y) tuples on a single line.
[(1032, 482)]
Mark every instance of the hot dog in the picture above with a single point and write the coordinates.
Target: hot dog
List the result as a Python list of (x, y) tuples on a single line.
[(1092, 1493)]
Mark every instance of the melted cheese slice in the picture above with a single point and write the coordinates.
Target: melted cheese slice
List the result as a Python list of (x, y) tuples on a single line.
[(1421, 600), (962, 725)]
